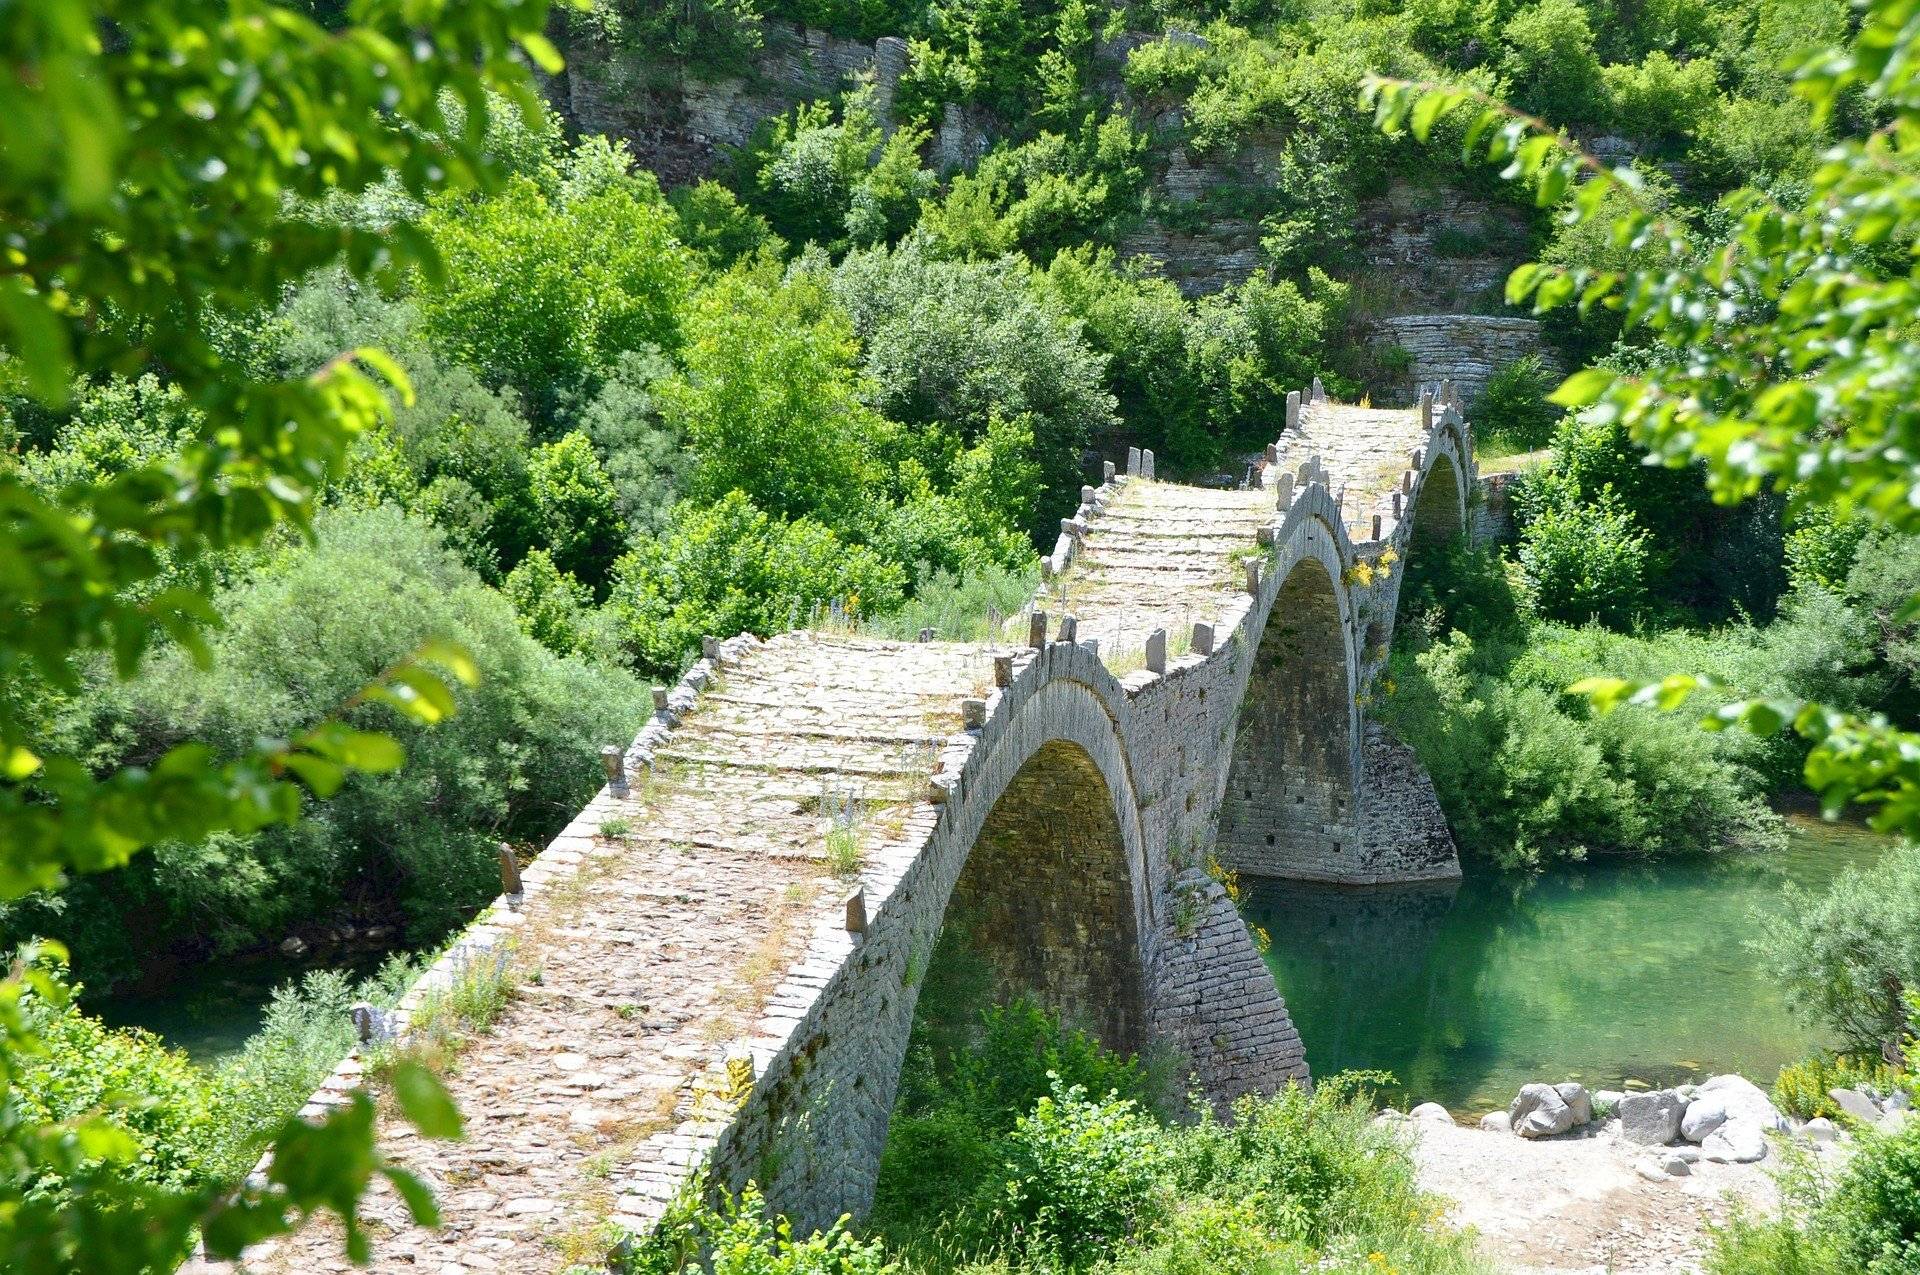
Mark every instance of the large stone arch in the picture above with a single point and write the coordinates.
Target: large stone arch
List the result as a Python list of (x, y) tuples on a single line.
[(1046, 900), (1440, 502), (1288, 803), (1046, 783)]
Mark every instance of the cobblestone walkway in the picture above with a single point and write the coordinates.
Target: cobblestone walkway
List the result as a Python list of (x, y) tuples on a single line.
[(661, 951)]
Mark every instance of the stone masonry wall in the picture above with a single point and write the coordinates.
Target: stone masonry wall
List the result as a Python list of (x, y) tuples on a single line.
[(1466, 348)]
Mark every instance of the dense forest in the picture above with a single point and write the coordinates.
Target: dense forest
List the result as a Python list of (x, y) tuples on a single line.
[(836, 377)]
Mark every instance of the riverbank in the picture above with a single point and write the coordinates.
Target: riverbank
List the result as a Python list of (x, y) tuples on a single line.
[(1576, 1204)]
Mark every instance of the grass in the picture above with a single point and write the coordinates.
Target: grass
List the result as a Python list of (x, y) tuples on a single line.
[(477, 993)]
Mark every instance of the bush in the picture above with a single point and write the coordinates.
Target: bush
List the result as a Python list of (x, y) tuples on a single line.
[(1802, 1088), (1081, 1176), (1867, 1223), (542, 291), (1660, 98), (1513, 413), (1845, 957), (771, 404), (950, 346), (736, 1237), (1585, 561), (302, 635), (730, 568), (1549, 62), (1526, 776)]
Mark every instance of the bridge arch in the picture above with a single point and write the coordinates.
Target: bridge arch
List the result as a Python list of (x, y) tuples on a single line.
[(1288, 795), (1053, 892)]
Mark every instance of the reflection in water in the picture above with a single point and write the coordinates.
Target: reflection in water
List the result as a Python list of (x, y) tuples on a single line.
[(1600, 973)]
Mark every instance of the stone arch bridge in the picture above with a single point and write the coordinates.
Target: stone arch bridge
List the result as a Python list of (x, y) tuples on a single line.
[(705, 986)]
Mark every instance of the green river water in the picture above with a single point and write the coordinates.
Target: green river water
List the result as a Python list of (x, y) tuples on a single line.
[(1602, 973)]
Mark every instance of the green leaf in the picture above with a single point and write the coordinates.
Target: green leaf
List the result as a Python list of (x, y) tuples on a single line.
[(17, 762), (1582, 388), (418, 1197), (425, 1101)]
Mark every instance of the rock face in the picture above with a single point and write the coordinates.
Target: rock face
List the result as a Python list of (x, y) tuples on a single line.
[(1540, 1112), (1651, 1118)]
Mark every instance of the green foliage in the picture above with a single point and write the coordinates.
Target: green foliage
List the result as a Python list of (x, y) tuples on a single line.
[(1513, 413), (1865, 1222), (555, 609), (1081, 1176), (575, 506), (730, 568), (1821, 290), (149, 1093), (1526, 777), (1549, 61), (542, 288), (159, 186), (717, 226), (770, 402), (301, 634), (949, 346), (1585, 560), (1661, 99), (1846, 957), (736, 1237), (832, 182), (1802, 1089)]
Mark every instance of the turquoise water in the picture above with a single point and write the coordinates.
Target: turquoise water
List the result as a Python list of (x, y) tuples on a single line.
[(1602, 973)]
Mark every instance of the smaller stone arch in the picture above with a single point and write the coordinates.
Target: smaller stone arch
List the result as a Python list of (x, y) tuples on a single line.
[(1289, 793), (1440, 502)]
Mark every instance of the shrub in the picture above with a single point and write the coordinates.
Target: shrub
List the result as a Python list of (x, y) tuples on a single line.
[(771, 403), (1661, 98), (1513, 413), (717, 226), (1081, 1175), (1802, 1088), (152, 1094), (734, 1236), (1327, 1178), (729, 568), (542, 292), (575, 507), (1845, 957), (1549, 61), (302, 635), (1585, 561), (1875, 1211), (950, 346)]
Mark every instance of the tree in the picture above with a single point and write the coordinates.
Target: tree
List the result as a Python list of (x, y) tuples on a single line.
[(542, 290), (162, 166), (1781, 355)]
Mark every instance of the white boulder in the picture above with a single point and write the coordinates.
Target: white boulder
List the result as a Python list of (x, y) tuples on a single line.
[(1651, 1118), (1432, 1111), (1738, 1141), (1820, 1129), (1540, 1112), (1743, 1100), (1497, 1122), (1574, 1094)]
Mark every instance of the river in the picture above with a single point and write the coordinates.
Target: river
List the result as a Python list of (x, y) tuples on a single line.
[(1604, 973)]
